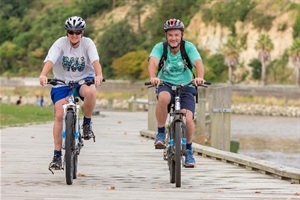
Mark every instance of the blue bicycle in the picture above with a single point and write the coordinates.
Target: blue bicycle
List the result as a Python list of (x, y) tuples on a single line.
[(72, 141)]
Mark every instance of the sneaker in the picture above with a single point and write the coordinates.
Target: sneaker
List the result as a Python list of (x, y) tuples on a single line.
[(160, 140), (87, 131), (55, 163), (189, 159)]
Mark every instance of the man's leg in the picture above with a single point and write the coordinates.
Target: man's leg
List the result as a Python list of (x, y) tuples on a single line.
[(89, 95), (164, 99), (190, 127), (57, 131), (190, 130), (188, 106)]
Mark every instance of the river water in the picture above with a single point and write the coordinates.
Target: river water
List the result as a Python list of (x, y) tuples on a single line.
[(275, 139)]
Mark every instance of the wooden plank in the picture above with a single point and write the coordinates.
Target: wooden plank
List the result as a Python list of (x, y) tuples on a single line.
[(152, 123), (220, 106), (201, 112)]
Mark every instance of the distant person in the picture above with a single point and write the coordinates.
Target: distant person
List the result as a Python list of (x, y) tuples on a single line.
[(72, 57), (19, 101), (42, 101), (37, 101)]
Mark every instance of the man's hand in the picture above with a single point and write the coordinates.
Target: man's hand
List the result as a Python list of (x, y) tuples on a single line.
[(198, 81), (43, 80), (98, 80), (155, 81)]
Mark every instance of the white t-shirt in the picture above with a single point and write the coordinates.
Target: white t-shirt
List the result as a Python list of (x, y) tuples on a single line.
[(72, 63)]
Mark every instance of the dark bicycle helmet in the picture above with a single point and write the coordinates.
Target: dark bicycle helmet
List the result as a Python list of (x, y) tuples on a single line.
[(75, 24), (173, 24)]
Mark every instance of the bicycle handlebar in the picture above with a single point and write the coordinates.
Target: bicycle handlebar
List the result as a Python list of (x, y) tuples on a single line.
[(55, 81), (205, 84)]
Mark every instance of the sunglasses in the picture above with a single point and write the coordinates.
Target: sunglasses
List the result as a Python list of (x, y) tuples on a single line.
[(74, 32)]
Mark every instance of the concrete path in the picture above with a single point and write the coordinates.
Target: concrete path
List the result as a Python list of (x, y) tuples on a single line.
[(122, 165)]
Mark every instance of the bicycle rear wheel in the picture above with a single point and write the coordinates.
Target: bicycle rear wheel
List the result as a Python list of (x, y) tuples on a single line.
[(177, 156), (69, 162)]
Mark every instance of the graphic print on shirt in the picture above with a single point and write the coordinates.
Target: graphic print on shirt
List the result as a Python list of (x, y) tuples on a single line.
[(73, 63), (174, 70)]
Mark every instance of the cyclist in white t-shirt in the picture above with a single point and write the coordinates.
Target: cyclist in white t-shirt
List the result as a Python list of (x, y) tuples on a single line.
[(72, 57)]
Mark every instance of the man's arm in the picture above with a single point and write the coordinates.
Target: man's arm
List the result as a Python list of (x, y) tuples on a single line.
[(200, 72), (98, 72), (43, 76), (152, 70)]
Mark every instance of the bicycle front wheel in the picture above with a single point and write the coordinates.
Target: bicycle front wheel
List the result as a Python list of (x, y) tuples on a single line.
[(177, 156), (70, 140), (75, 161)]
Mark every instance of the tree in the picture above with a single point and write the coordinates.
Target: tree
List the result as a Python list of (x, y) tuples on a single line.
[(231, 55), (137, 10), (294, 53), (132, 65), (116, 41), (264, 46)]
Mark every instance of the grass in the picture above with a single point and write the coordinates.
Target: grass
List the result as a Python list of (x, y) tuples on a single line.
[(13, 115)]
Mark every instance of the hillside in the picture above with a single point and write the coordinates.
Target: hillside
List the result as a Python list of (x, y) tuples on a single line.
[(213, 36), (122, 26)]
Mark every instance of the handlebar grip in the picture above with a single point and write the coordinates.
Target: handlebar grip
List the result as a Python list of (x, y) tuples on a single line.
[(148, 83), (91, 81), (207, 83)]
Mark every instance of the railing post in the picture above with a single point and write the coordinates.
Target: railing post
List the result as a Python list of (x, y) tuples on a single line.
[(220, 113), (201, 120), (152, 101)]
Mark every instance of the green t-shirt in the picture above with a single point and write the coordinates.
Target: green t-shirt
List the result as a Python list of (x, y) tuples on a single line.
[(174, 71)]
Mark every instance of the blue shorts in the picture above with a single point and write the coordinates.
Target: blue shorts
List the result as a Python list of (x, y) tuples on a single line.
[(58, 93), (187, 100)]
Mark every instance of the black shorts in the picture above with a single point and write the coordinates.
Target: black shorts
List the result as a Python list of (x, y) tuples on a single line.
[(187, 97)]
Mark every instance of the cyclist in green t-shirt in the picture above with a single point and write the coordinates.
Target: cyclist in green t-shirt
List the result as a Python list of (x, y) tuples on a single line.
[(174, 71)]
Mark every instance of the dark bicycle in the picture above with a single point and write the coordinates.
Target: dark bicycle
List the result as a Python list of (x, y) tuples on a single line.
[(72, 139), (175, 147)]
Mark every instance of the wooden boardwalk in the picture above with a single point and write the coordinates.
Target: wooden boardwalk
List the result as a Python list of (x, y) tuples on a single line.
[(122, 165)]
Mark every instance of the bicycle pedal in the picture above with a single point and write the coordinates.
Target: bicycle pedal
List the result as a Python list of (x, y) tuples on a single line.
[(189, 166), (55, 168), (160, 147)]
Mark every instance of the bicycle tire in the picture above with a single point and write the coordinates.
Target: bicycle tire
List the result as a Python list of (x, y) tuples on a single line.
[(171, 164), (170, 153), (69, 163), (177, 156), (75, 161)]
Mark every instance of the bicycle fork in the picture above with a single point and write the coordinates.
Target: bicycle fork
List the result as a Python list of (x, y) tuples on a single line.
[(77, 128), (169, 150)]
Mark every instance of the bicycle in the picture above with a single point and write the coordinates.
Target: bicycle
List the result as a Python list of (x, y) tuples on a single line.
[(72, 139), (175, 147)]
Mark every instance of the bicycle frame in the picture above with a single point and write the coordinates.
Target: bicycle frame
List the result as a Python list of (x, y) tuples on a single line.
[(71, 105), (177, 115)]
